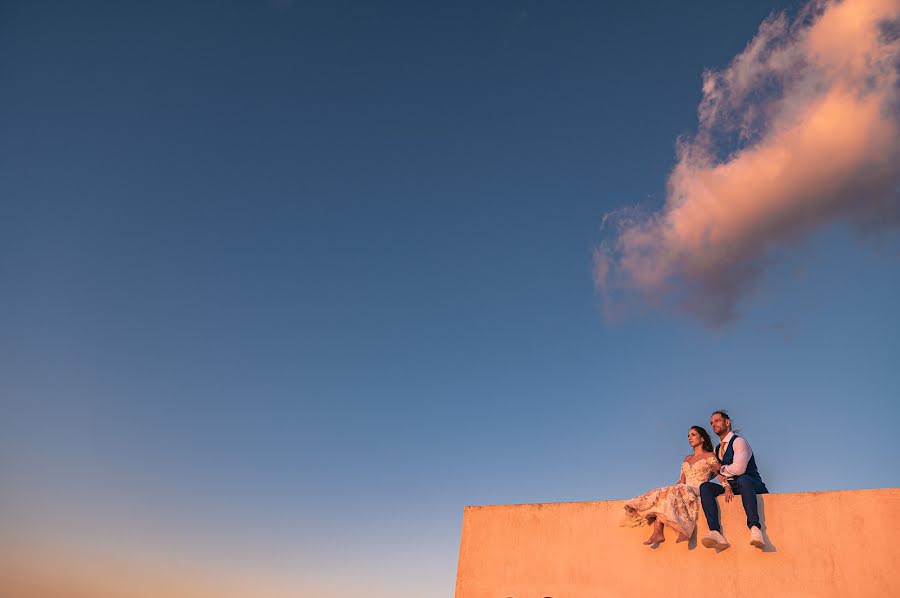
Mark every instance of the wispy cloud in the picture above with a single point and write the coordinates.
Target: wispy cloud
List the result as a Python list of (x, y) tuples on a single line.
[(801, 129)]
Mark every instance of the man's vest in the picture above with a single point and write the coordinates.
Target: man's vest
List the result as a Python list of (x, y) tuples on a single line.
[(752, 471)]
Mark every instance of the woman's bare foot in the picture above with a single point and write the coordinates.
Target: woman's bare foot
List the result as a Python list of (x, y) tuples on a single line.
[(657, 537)]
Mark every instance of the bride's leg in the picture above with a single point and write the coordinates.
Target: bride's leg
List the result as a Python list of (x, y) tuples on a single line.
[(683, 535), (658, 536), (678, 529)]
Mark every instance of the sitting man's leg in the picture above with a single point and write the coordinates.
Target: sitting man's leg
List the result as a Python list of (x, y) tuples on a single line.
[(708, 494), (747, 488)]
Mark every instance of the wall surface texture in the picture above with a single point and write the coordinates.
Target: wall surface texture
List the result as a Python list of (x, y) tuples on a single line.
[(818, 544)]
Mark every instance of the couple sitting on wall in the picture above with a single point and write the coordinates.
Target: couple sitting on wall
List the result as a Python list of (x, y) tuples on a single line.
[(676, 506)]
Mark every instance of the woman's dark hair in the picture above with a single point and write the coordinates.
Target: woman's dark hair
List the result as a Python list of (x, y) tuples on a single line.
[(707, 442)]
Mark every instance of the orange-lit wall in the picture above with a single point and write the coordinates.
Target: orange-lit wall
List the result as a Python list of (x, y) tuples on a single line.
[(820, 544)]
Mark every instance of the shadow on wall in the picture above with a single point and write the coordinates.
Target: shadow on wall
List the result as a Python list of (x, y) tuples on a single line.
[(761, 505)]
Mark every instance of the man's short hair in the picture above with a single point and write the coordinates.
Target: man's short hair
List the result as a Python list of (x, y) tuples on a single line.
[(723, 413)]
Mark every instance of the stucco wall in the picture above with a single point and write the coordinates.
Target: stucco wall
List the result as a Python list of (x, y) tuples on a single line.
[(820, 544)]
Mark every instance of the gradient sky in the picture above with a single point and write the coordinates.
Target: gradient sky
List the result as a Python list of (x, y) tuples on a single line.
[(285, 285)]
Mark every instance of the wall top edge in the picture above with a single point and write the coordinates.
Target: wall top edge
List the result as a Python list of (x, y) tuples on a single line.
[(614, 501)]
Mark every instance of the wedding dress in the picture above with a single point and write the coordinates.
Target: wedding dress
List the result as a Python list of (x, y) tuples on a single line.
[(675, 506)]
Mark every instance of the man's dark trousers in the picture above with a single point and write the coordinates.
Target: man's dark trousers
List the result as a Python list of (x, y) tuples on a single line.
[(743, 485)]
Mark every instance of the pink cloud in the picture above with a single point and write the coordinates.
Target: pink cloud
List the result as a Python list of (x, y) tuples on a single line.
[(810, 115)]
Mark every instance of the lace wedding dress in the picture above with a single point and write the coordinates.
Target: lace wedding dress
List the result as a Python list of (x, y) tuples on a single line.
[(675, 506)]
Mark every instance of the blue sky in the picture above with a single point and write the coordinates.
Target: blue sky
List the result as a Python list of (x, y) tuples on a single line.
[(288, 284)]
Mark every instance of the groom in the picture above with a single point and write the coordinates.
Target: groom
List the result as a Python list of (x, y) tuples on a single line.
[(740, 476)]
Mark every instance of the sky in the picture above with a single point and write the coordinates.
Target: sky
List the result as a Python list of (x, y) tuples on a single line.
[(287, 284)]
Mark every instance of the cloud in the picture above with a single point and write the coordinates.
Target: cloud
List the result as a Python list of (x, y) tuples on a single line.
[(802, 129)]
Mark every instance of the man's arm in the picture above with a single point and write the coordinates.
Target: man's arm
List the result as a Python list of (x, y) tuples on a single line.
[(742, 454)]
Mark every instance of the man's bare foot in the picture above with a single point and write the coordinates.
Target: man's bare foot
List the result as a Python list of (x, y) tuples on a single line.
[(681, 538), (655, 539)]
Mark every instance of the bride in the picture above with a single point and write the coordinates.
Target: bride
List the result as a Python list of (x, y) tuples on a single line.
[(676, 506)]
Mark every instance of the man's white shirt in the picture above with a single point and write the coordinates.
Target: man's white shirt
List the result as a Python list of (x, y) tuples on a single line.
[(742, 454)]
